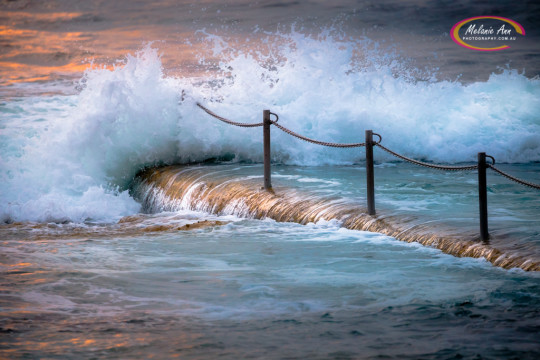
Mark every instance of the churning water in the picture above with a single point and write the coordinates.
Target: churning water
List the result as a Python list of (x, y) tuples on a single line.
[(106, 252), (254, 289)]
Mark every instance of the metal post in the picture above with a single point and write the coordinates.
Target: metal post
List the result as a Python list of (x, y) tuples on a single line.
[(370, 178), (482, 196), (266, 148)]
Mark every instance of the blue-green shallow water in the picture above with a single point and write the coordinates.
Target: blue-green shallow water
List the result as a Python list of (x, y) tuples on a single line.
[(435, 198), (413, 197)]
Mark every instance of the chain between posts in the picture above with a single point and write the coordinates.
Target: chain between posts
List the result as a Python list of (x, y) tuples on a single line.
[(481, 166), (282, 128), (432, 166), (317, 142), (227, 121), (378, 143)]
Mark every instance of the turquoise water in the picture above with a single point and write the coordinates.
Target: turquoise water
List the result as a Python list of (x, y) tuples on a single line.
[(416, 200)]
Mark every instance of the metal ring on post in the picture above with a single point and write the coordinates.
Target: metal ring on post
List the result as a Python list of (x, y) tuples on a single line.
[(277, 117), (380, 138), (492, 158)]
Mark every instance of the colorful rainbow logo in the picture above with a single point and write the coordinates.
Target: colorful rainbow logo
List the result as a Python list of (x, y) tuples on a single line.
[(454, 33)]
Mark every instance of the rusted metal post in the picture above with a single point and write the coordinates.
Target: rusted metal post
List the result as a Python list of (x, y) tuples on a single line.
[(482, 196), (266, 149), (370, 176)]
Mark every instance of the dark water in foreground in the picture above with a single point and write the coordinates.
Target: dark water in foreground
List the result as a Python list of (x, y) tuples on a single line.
[(258, 289)]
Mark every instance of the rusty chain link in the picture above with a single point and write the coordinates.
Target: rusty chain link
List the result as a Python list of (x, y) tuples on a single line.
[(519, 181), (432, 166), (211, 113), (323, 143), (290, 132)]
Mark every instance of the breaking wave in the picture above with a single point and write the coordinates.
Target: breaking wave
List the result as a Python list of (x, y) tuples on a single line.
[(72, 158)]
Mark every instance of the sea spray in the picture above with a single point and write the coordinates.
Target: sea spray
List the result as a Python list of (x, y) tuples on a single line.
[(75, 166), (71, 158)]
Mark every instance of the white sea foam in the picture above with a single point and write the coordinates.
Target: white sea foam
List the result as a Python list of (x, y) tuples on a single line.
[(73, 157)]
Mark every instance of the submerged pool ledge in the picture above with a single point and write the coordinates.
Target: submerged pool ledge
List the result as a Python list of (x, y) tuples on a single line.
[(173, 188)]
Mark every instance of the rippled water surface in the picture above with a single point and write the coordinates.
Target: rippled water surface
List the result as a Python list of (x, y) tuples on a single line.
[(252, 288)]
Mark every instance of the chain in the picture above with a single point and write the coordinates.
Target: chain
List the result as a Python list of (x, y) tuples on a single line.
[(209, 112), (519, 181), (290, 132), (337, 145), (432, 166), (323, 143)]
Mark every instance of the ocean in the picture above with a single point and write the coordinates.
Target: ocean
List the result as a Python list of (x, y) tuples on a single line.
[(133, 224)]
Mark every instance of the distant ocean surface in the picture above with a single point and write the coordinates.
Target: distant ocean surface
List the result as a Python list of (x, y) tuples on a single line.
[(92, 93)]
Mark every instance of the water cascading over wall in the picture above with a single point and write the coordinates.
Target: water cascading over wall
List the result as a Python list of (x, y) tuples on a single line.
[(174, 188)]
